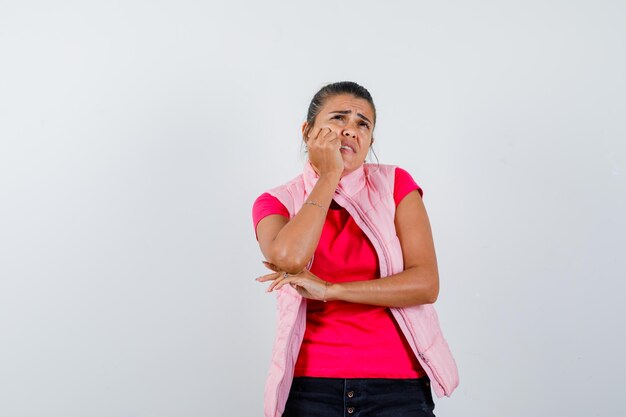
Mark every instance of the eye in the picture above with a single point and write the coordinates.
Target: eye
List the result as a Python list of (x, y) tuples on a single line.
[(338, 116), (365, 124)]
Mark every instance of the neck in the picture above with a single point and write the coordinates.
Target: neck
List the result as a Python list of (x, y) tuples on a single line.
[(349, 182)]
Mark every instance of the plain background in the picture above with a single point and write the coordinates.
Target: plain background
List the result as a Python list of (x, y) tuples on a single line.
[(135, 136)]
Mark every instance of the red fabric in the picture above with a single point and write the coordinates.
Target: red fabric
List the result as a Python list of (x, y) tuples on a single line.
[(342, 339)]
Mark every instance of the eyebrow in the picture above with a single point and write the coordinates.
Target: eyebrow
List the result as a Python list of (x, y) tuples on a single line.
[(349, 112)]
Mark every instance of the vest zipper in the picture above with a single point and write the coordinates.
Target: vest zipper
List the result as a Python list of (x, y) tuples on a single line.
[(389, 272), (369, 225)]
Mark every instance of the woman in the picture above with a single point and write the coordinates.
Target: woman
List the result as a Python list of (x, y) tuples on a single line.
[(356, 275)]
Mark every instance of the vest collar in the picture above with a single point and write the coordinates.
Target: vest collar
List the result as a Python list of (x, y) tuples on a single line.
[(350, 184)]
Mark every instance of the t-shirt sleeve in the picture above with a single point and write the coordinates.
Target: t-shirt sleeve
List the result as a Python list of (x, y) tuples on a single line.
[(404, 184), (265, 205)]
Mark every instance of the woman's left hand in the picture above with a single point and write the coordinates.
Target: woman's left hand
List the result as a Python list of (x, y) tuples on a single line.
[(304, 282)]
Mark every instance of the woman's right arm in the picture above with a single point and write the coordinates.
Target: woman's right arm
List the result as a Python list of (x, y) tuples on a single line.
[(290, 244)]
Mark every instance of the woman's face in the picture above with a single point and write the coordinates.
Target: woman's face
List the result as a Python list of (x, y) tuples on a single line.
[(352, 120)]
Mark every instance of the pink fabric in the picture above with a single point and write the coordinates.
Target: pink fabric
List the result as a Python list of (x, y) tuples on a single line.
[(349, 340), (367, 195), (267, 204)]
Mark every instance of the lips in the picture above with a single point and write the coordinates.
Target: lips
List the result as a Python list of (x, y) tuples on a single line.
[(348, 146)]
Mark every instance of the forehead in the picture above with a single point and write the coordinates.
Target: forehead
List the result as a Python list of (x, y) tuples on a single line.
[(348, 102)]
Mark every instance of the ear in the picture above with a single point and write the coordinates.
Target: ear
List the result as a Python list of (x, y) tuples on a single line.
[(304, 125)]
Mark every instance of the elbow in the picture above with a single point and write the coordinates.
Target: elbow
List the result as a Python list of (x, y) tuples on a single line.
[(427, 291), (426, 297), (287, 261), (433, 290), (421, 296), (432, 296)]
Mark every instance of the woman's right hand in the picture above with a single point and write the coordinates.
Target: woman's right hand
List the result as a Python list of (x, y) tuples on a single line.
[(323, 147)]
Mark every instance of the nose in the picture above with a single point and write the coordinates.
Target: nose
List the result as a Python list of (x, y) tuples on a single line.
[(349, 132)]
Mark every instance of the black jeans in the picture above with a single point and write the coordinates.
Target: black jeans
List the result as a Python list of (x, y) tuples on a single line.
[(359, 397)]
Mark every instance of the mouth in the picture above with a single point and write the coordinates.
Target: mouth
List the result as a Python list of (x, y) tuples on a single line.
[(348, 148)]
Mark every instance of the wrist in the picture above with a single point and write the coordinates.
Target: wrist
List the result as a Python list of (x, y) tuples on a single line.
[(332, 172), (332, 291), (331, 176)]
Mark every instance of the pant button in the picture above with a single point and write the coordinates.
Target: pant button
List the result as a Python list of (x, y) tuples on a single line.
[(350, 394), (350, 410)]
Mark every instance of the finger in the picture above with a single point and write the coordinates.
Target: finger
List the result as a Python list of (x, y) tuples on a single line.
[(290, 280), (277, 281), (268, 277), (331, 134), (321, 133), (332, 139), (314, 134), (324, 131), (327, 135)]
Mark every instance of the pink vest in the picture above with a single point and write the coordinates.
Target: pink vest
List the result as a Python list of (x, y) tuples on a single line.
[(367, 194)]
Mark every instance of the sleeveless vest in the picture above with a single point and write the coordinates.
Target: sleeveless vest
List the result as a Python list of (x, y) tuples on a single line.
[(367, 195)]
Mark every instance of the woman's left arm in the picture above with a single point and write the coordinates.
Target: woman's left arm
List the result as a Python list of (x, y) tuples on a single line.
[(419, 282)]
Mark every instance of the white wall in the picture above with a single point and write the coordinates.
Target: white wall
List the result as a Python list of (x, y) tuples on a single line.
[(134, 137)]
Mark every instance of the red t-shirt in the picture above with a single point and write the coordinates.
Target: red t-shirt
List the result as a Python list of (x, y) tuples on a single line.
[(343, 339)]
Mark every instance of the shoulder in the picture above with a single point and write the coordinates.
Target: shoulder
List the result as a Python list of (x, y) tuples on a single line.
[(398, 178), (278, 200), (266, 205), (404, 184), (405, 180), (380, 176), (264, 200), (289, 186)]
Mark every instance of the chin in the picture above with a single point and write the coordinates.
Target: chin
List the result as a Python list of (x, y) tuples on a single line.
[(351, 162), (348, 168)]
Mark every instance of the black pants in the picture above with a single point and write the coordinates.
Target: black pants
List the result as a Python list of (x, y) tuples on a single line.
[(359, 397)]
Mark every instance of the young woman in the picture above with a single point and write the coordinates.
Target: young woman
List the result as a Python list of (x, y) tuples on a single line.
[(354, 266)]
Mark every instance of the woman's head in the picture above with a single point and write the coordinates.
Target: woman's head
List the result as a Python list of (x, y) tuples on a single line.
[(348, 109)]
